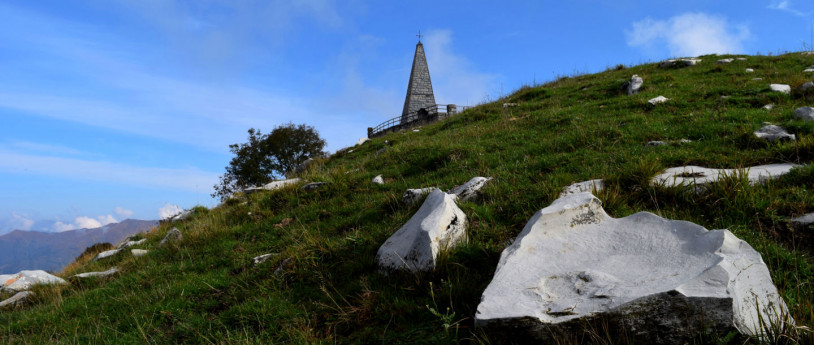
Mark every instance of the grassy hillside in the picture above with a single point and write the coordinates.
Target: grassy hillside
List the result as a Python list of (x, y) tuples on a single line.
[(206, 289)]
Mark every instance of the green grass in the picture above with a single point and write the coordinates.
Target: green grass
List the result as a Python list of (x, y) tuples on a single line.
[(206, 289)]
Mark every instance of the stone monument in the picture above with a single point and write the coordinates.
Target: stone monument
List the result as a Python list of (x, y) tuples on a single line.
[(419, 90)]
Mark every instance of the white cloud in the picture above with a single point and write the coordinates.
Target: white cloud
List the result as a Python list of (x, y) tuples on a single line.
[(785, 5), (689, 34), (83, 222), (18, 222), (123, 213), (455, 80), (168, 210)]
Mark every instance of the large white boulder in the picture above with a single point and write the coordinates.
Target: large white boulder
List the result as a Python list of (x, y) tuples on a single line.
[(660, 280), (780, 88), (24, 280), (412, 196), (584, 186), (273, 185), (774, 133), (437, 226), (362, 141), (174, 235), (634, 85), (689, 175), (804, 113), (471, 189)]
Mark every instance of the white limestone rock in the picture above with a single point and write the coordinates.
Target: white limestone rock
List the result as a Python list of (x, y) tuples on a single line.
[(437, 226), (661, 280), (768, 106), (657, 100), (808, 70), (107, 273), (173, 235), (139, 252), (680, 62), (18, 300), (362, 141), (803, 88), (804, 220), (131, 243), (634, 85), (263, 258), (471, 189), (749, 70), (804, 113), (724, 61), (584, 186), (273, 185), (656, 143), (757, 79), (181, 216), (412, 196), (313, 186), (377, 180), (107, 253), (24, 280), (780, 88), (690, 175), (774, 133)]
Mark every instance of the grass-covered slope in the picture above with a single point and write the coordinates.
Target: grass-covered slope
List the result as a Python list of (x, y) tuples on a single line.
[(206, 289)]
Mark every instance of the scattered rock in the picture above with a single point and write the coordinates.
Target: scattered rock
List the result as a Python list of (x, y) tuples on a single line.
[(303, 166), (18, 300), (804, 113), (416, 130), (724, 61), (362, 141), (584, 186), (313, 186), (804, 220), (471, 189), (378, 180), (412, 196), (173, 235), (283, 265), (109, 272), (690, 175), (131, 243), (263, 258), (657, 100), (633, 86), (803, 88), (107, 253), (139, 252), (283, 223), (780, 88), (24, 280), (438, 225), (749, 70), (774, 133), (808, 70), (685, 141), (768, 106), (655, 143), (181, 216), (757, 79), (660, 280), (680, 62), (380, 151), (273, 185)]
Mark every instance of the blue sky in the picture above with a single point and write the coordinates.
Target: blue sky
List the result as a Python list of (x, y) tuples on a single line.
[(119, 109)]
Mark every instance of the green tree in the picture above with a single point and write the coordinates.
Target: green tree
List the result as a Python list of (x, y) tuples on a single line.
[(265, 157)]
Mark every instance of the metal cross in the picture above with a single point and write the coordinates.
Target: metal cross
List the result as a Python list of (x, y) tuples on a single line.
[(419, 35)]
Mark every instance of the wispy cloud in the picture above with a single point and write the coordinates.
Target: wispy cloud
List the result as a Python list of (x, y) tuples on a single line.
[(689, 34), (455, 78), (122, 212), (785, 5), (168, 210), (84, 222)]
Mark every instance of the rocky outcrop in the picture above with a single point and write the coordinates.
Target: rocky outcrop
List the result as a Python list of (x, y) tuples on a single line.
[(173, 235), (107, 253), (18, 300), (412, 196), (659, 280), (24, 280), (471, 189), (437, 226), (780, 88), (274, 185), (130, 243), (658, 100), (107, 273), (584, 186), (690, 175), (680, 62), (804, 113), (774, 133), (633, 86)]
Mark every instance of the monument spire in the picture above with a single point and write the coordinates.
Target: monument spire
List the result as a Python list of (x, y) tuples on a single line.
[(419, 88)]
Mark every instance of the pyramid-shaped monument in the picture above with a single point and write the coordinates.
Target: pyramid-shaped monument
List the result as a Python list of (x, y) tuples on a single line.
[(419, 89)]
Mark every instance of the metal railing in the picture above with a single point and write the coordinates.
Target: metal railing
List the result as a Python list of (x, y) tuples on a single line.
[(396, 121)]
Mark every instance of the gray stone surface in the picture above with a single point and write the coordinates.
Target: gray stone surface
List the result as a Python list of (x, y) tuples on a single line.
[(274, 185), (680, 62), (286, 263), (471, 189), (634, 85), (18, 300), (419, 88), (690, 175), (173, 235), (584, 186), (313, 185), (107, 253), (749, 70), (661, 280), (741, 59), (757, 79), (808, 70), (181, 216), (805, 87), (132, 243), (303, 166), (139, 252), (263, 258), (437, 226), (24, 280), (377, 180), (724, 61), (412, 196), (107, 273), (362, 141), (774, 133), (804, 113), (768, 106), (656, 143), (780, 88), (804, 220), (657, 100)]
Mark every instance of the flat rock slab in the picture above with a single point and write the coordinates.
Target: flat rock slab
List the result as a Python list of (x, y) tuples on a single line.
[(584, 186), (412, 196), (471, 189), (804, 113), (173, 235), (774, 133), (18, 300), (313, 186), (780, 88), (808, 70), (680, 62), (657, 100), (656, 143), (107, 253), (749, 70), (274, 185), (724, 61), (132, 243), (24, 280), (438, 225), (263, 258), (659, 280), (107, 273), (689, 175), (804, 220)]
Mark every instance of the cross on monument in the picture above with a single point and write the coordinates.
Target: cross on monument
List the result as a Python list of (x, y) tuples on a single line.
[(419, 35)]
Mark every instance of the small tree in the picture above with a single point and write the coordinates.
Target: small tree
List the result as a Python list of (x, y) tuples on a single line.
[(264, 157)]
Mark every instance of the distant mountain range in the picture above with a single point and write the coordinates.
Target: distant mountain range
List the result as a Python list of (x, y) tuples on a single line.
[(34, 250)]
